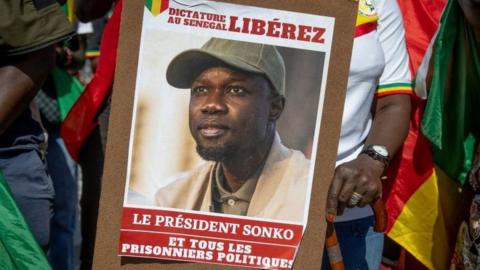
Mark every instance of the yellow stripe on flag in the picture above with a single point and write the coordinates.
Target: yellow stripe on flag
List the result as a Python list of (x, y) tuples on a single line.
[(362, 19), (70, 12), (156, 5), (395, 90), (428, 223), (91, 54)]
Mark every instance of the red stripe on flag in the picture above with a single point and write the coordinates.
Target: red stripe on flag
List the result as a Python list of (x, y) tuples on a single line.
[(414, 163), (164, 5), (411, 168), (421, 20), (365, 28), (394, 92), (82, 117)]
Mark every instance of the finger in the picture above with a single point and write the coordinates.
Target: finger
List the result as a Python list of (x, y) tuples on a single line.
[(348, 188), (371, 192), (367, 188), (332, 199)]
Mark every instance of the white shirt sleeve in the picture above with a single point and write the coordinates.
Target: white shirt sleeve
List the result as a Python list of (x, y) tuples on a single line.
[(396, 76)]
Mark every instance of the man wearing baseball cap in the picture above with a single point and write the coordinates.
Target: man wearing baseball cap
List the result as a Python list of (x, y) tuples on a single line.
[(237, 95)]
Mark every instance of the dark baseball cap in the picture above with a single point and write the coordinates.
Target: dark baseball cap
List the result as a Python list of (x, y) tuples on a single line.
[(245, 56)]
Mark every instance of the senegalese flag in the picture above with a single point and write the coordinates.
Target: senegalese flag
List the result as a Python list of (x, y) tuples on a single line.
[(18, 248), (452, 117), (424, 205), (82, 117), (156, 6), (421, 19)]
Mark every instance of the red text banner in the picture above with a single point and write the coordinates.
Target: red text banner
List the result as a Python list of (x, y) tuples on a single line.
[(174, 235)]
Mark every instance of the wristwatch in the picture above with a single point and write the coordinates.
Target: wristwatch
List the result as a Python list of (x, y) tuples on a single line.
[(377, 152)]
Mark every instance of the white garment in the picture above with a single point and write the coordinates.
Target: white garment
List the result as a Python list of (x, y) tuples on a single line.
[(379, 58)]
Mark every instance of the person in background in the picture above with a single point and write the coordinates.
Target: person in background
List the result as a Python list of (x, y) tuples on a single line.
[(59, 90), (84, 130), (471, 10), (467, 249), (28, 32), (374, 125), (93, 40)]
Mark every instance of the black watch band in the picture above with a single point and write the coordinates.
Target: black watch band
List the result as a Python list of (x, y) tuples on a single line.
[(374, 154)]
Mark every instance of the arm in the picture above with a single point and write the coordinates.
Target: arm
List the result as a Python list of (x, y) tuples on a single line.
[(390, 124), (89, 10), (362, 175), (390, 113), (21, 78)]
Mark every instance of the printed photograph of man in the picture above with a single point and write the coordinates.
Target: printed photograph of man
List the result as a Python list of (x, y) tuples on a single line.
[(237, 94)]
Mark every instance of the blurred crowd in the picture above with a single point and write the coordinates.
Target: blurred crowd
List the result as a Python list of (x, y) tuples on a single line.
[(49, 52)]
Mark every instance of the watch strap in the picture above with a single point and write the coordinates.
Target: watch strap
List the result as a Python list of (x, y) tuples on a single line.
[(369, 151)]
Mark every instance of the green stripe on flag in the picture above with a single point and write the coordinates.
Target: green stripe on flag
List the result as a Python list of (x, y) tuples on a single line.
[(18, 248), (392, 85), (156, 6), (452, 116), (148, 4), (68, 90)]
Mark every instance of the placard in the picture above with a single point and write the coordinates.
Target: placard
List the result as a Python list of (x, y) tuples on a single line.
[(191, 116)]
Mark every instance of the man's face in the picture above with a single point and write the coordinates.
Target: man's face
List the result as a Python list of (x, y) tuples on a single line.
[(229, 112)]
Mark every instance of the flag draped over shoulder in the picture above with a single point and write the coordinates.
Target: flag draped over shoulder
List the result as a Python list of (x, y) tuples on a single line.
[(452, 116), (18, 248), (424, 204)]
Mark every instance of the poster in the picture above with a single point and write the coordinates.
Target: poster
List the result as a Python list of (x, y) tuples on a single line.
[(225, 128)]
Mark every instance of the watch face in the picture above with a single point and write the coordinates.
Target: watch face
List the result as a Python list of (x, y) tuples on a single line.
[(380, 150)]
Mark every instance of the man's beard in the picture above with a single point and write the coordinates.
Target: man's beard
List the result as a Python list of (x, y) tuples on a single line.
[(216, 153)]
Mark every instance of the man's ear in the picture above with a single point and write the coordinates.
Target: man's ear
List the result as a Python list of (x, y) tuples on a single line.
[(277, 104)]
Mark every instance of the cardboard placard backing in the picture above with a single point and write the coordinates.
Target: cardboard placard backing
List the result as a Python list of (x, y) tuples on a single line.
[(113, 183)]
